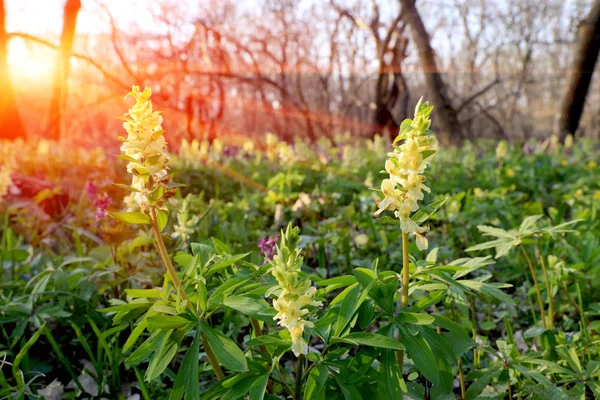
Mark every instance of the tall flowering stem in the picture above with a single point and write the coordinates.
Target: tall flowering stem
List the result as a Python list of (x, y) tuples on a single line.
[(146, 150), (294, 293), (405, 187)]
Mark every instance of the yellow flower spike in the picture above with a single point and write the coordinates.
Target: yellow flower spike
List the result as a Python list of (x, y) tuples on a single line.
[(295, 293), (405, 165), (145, 147)]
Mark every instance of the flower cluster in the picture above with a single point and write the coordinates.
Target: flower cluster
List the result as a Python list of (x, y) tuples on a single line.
[(145, 147), (102, 203), (267, 246), (185, 226), (406, 166), (295, 293)]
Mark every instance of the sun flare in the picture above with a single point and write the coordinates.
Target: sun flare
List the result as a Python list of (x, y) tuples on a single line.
[(30, 62)]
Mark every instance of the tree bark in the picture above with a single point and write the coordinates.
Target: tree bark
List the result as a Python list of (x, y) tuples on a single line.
[(449, 128), (580, 77), (61, 73), (11, 126)]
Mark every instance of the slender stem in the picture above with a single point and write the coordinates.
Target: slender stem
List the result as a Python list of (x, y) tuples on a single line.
[(461, 375), (405, 282), (298, 385), (166, 260), (405, 269), (211, 358), (473, 331), (548, 290), (263, 349), (257, 333), (460, 365), (568, 296), (175, 279), (537, 286)]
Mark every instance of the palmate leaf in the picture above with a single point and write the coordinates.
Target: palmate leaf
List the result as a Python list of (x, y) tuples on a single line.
[(488, 289), (529, 223), (502, 246)]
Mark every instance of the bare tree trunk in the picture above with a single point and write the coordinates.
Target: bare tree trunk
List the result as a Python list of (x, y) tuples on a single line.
[(578, 84), (62, 69), (449, 127), (11, 126)]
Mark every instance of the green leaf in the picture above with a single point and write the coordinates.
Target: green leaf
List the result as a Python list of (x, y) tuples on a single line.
[(162, 217), (167, 322), (246, 305), (488, 290), (534, 331), (421, 353), (316, 382), (16, 255), (136, 217), (414, 318), (350, 304), (220, 247), (239, 388), (225, 349), (266, 340), (495, 232), (161, 360), (126, 187), (373, 340), (224, 263), (391, 382), (186, 381), (152, 344), (144, 293), (476, 388), (257, 390), (427, 301), (344, 280), (528, 223), (348, 390), (135, 334), (426, 212), (156, 195)]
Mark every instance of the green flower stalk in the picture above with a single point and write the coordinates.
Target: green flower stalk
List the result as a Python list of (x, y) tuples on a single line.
[(406, 166), (294, 293)]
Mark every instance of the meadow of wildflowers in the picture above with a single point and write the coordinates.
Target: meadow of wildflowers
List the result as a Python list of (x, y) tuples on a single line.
[(388, 268)]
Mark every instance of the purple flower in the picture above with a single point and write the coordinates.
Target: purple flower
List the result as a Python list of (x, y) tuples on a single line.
[(91, 189), (267, 246), (230, 151), (101, 205)]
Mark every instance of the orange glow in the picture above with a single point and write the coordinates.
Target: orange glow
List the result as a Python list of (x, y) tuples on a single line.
[(30, 62)]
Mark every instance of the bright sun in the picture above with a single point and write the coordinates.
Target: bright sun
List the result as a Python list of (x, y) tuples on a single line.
[(30, 62)]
